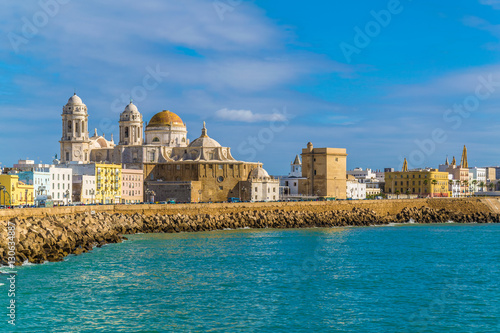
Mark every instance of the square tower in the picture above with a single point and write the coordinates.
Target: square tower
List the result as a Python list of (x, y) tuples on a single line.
[(324, 170)]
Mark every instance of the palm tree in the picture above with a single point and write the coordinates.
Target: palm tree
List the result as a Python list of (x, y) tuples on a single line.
[(491, 186), (481, 185)]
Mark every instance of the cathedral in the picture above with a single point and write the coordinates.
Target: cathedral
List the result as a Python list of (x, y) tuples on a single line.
[(174, 167)]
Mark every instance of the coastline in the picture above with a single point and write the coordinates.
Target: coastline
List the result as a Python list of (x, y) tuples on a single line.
[(52, 234)]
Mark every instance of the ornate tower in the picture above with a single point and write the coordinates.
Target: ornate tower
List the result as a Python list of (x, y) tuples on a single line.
[(131, 126), (464, 163), (75, 136)]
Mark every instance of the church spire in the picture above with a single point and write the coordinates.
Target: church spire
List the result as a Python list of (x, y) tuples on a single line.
[(405, 166), (454, 161), (464, 163), (447, 163)]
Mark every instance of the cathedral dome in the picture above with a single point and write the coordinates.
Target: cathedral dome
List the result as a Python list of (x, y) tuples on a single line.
[(75, 100), (259, 173), (204, 140), (165, 118), (131, 108)]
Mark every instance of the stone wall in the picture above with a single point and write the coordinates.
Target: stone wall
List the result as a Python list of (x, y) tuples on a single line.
[(382, 207)]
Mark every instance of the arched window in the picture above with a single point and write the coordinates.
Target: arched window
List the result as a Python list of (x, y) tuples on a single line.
[(183, 139), (156, 140), (69, 125), (126, 132)]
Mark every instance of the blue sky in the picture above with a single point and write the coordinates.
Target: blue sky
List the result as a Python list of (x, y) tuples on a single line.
[(266, 76)]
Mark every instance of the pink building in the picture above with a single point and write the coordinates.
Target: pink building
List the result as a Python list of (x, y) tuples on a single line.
[(132, 186)]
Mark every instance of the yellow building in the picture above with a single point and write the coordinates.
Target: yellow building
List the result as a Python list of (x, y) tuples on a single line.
[(15, 193), (425, 182), (108, 183)]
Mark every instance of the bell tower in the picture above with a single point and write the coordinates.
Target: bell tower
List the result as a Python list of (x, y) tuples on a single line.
[(131, 126), (75, 136)]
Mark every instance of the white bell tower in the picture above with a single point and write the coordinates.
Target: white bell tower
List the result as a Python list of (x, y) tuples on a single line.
[(75, 135), (131, 126)]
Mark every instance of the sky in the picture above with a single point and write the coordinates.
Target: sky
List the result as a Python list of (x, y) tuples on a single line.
[(384, 79)]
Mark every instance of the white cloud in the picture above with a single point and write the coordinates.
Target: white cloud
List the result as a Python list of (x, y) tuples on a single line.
[(493, 3), (248, 116)]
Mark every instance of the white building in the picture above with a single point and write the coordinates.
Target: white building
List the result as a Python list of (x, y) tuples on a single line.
[(477, 179), (84, 188), (262, 187), (354, 189), (454, 186), (363, 176), (289, 185), (29, 165), (61, 185)]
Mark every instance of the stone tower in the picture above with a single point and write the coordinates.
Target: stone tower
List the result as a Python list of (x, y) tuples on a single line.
[(75, 135), (131, 126), (324, 170)]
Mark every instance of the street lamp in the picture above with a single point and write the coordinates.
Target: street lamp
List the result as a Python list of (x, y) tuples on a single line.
[(151, 195), (66, 195), (92, 192)]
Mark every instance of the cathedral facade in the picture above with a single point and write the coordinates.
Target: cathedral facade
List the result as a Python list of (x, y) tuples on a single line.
[(202, 170)]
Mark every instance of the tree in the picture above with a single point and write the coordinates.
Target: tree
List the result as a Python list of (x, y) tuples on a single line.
[(481, 185), (491, 186)]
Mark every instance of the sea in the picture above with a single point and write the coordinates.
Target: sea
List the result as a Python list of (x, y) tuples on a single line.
[(396, 278)]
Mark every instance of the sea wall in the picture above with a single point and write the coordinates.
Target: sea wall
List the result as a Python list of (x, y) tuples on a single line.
[(381, 207), (51, 237)]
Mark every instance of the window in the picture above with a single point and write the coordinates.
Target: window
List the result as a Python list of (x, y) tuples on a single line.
[(126, 132), (220, 167), (221, 188), (256, 189), (156, 139)]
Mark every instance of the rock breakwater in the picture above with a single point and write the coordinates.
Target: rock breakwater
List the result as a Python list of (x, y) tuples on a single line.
[(52, 238)]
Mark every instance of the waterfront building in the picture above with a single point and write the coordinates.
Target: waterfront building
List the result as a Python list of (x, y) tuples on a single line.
[(355, 190), (374, 188), (324, 170), (373, 180), (108, 183), (84, 189), (173, 167), (61, 185), (38, 177), (363, 176), (14, 192), (289, 185), (261, 186), (132, 186), (453, 186), (421, 182), (477, 179), (491, 174), (202, 171)]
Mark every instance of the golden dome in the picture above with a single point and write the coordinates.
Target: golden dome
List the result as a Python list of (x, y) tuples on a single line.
[(165, 118)]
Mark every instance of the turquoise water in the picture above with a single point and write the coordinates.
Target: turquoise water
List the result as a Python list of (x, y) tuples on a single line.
[(412, 278)]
